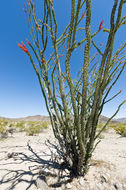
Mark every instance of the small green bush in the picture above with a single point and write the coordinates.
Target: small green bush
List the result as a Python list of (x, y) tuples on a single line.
[(3, 122), (32, 130), (20, 125), (12, 124), (36, 127), (120, 129), (44, 124), (100, 126), (2, 129)]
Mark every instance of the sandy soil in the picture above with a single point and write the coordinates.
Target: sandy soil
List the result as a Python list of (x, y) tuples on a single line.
[(34, 154)]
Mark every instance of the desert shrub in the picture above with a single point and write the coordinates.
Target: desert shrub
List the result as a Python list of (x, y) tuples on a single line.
[(2, 129), (3, 122), (20, 126), (36, 127), (12, 124), (112, 125), (3, 125), (120, 129), (32, 130), (44, 124), (100, 126), (31, 122)]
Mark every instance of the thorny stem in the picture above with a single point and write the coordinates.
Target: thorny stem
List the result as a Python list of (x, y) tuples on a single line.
[(74, 106)]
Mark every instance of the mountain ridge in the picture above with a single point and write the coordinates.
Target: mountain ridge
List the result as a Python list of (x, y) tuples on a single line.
[(46, 118)]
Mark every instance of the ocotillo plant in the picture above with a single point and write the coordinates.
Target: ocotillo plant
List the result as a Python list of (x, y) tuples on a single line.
[(74, 104)]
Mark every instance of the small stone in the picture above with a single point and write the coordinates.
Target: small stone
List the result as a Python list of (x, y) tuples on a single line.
[(103, 179), (117, 186), (58, 188), (46, 170), (40, 172), (11, 155), (105, 185), (81, 181), (66, 178), (68, 186), (66, 171), (112, 188), (99, 186), (41, 183)]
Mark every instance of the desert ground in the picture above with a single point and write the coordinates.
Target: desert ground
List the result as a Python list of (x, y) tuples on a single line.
[(33, 162)]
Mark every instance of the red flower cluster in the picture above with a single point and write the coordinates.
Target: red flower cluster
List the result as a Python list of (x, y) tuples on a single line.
[(25, 9), (83, 15), (100, 25), (23, 47), (28, 42)]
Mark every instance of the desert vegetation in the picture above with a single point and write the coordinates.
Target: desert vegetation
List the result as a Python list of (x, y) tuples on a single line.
[(74, 103), (29, 127), (120, 128)]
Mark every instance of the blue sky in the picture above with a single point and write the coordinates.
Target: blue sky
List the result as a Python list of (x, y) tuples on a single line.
[(20, 93)]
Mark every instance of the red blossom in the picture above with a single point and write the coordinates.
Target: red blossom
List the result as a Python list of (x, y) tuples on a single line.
[(100, 25), (83, 15), (108, 87), (120, 62), (23, 47), (28, 42), (51, 55), (25, 10), (61, 55)]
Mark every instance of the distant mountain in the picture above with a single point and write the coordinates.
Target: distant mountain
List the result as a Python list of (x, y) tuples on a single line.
[(102, 119), (28, 118), (35, 118), (121, 120)]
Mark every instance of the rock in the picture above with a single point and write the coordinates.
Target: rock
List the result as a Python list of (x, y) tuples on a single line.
[(59, 188), (105, 185), (65, 179), (40, 172), (99, 187), (66, 171), (12, 155), (117, 186), (41, 183), (112, 188), (11, 130), (103, 179), (82, 181), (69, 186)]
